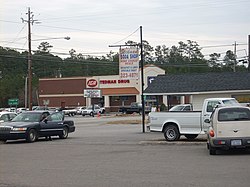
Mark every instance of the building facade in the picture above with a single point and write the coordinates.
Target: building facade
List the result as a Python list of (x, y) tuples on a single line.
[(115, 92)]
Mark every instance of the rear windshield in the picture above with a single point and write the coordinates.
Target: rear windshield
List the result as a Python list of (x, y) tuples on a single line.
[(234, 114)]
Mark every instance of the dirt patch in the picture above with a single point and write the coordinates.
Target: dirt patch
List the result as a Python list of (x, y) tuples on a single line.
[(125, 122)]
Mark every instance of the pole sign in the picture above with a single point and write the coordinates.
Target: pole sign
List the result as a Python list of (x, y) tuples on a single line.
[(129, 63), (92, 93)]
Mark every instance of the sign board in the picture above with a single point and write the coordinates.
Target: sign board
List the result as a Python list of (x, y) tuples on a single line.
[(92, 83), (46, 102), (129, 63), (92, 93), (13, 102)]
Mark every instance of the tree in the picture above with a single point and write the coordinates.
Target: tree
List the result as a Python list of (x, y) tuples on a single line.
[(230, 60), (214, 60), (44, 47)]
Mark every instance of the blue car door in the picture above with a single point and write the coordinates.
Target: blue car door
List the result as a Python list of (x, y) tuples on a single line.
[(52, 125)]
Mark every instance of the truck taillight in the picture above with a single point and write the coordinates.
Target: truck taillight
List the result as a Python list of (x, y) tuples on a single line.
[(211, 133)]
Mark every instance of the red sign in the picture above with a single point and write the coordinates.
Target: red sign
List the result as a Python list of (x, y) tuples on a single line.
[(92, 83)]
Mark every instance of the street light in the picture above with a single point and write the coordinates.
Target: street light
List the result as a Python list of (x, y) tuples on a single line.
[(66, 38), (30, 63)]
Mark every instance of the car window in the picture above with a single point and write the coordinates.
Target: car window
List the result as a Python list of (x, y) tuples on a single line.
[(211, 105), (187, 108), (27, 117), (234, 114), (55, 117), (4, 117)]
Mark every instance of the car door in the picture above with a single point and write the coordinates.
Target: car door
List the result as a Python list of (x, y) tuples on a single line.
[(52, 125)]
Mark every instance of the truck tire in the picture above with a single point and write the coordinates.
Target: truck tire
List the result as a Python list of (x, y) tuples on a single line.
[(171, 133), (191, 136)]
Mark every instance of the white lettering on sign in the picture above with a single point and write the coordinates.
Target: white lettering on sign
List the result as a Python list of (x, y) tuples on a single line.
[(114, 81), (92, 83), (129, 63)]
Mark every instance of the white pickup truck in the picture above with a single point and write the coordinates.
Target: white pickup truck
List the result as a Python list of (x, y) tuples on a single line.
[(188, 123)]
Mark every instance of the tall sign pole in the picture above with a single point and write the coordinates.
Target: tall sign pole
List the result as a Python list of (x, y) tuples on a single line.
[(142, 85)]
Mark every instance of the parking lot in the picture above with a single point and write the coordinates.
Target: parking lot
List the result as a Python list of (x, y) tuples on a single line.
[(113, 151)]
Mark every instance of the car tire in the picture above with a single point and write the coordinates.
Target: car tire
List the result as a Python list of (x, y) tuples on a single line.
[(171, 133), (191, 136), (31, 136), (212, 150), (65, 133), (3, 141)]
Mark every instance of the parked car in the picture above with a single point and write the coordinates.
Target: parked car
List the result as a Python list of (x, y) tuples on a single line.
[(7, 116), (134, 107), (69, 111), (93, 111), (229, 128), (79, 110), (31, 125), (182, 107)]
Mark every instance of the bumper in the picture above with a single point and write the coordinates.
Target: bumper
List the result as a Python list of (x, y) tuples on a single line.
[(231, 143), (12, 136)]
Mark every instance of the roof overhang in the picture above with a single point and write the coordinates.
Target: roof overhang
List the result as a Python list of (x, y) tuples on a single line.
[(198, 93)]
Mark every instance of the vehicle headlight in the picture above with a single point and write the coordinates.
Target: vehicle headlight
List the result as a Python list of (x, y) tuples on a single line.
[(19, 128)]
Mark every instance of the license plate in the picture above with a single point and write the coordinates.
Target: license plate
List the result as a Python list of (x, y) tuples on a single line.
[(235, 142)]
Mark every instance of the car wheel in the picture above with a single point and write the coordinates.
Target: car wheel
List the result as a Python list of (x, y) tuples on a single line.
[(191, 136), (212, 150), (171, 133), (65, 133), (3, 141), (31, 136)]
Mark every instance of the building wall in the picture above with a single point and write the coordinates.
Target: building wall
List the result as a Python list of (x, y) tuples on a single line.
[(68, 92), (62, 92)]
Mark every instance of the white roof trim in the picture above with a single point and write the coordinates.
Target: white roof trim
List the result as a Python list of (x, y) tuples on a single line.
[(198, 93)]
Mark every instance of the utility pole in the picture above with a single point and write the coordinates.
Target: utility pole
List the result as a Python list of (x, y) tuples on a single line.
[(142, 84), (248, 68), (29, 21), (234, 69)]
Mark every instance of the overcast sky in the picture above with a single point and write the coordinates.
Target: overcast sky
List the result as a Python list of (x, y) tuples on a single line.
[(93, 25)]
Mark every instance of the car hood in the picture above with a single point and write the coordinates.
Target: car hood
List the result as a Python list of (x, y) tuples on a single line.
[(19, 124)]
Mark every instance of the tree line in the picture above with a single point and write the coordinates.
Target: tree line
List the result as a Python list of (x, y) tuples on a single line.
[(186, 57)]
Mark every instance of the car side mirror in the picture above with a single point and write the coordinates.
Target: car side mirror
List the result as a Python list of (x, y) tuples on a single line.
[(45, 120), (207, 121)]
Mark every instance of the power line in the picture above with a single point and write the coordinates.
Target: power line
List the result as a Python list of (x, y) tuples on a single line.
[(127, 36)]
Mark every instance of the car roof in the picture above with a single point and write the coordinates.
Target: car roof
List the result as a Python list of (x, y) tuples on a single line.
[(6, 112), (36, 111), (238, 106)]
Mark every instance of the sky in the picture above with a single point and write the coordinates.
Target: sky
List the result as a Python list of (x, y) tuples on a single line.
[(94, 25)]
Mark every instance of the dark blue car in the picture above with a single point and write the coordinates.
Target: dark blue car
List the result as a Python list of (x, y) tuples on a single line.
[(31, 125)]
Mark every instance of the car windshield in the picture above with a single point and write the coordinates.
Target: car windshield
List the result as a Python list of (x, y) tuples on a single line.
[(234, 114), (230, 102), (27, 117)]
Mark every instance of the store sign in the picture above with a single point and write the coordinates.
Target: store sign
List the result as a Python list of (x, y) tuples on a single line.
[(114, 81), (129, 63), (91, 83), (91, 93)]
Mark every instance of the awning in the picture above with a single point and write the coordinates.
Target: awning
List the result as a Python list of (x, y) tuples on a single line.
[(120, 91)]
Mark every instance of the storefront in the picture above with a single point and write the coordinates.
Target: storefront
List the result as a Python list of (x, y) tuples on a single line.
[(115, 92)]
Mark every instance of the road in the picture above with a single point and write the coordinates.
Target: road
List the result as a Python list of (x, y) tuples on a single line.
[(106, 153)]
